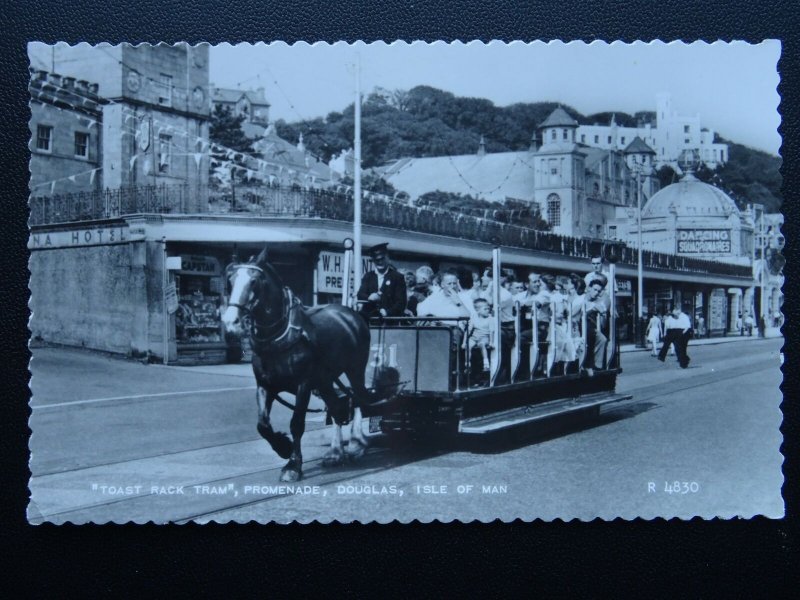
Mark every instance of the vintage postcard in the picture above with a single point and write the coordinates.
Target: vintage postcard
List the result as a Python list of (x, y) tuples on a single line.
[(381, 282)]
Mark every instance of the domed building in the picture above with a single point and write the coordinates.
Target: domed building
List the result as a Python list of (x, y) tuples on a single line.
[(692, 218)]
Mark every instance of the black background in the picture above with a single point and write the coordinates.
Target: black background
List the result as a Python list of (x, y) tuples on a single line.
[(698, 558)]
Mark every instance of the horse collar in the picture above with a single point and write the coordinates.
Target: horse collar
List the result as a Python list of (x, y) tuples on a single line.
[(289, 335)]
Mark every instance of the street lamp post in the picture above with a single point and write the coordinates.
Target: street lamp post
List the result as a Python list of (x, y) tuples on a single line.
[(639, 268)]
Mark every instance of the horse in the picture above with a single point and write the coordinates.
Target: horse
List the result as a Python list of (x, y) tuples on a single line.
[(299, 350)]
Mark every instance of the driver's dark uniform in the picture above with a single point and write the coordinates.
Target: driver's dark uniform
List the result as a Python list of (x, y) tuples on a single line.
[(393, 294)]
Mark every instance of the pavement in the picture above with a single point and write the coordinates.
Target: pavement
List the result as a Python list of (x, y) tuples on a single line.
[(731, 339)]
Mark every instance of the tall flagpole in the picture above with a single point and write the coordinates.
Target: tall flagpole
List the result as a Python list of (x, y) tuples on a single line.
[(357, 180)]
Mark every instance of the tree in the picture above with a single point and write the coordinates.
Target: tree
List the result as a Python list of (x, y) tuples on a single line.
[(226, 130)]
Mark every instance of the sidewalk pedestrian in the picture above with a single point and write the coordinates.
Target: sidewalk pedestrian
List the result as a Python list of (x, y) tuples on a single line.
[(654, 333), (678, 329), (749, 324)]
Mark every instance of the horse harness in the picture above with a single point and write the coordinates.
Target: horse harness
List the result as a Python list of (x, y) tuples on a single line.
[(268, 337)]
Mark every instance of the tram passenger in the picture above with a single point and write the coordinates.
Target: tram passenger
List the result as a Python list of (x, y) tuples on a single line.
[(596, 315), (481, 327), (467, 293), (535, 296), (506, 310), (575, 297), (411, 299), (601, 272), (382, 290), (565, 345), (444, 302)]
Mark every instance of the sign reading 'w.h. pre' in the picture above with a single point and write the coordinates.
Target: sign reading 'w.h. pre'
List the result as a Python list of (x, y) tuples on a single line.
[(704, 241), (330, 272)]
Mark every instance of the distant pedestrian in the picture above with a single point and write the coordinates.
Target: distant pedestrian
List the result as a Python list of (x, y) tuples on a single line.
[(678, 331), (749, 324), (654, 333)]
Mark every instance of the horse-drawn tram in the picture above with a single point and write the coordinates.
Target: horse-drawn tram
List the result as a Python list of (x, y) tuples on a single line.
[(560, 360), (418, 375)]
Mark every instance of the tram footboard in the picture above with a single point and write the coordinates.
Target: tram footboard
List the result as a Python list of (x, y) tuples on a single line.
[(515, 417)]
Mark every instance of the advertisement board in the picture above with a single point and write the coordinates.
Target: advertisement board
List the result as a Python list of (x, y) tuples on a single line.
[(703, 241)]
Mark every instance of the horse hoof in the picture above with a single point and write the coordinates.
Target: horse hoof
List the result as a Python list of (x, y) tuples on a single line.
[(332, 459), (290, 476), (355, 450)]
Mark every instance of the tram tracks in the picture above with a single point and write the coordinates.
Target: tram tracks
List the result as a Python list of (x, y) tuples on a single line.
[(203, 507)]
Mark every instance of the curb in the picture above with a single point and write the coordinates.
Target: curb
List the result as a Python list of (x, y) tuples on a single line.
[(626, 348)]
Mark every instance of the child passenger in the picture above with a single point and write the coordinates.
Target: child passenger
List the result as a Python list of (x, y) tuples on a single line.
[(481, 329)]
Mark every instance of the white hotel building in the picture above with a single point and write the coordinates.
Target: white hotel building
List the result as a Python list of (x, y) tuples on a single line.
[(670, 136)]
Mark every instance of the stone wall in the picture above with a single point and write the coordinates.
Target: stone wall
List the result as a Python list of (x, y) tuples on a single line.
[(93, 297)]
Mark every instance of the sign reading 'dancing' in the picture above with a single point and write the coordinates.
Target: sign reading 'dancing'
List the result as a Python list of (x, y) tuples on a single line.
[(704, 241)]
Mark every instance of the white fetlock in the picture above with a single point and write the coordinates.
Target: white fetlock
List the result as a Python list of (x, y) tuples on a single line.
[(356, 448), (333, 458)]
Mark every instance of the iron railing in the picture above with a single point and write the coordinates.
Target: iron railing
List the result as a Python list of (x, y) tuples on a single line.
[(381, 211), (108, 203)]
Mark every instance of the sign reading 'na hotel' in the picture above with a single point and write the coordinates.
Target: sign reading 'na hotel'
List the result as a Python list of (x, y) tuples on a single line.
[(704, 241), (86, 236)]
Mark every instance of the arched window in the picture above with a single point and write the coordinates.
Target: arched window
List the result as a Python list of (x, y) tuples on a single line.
[(554, 210)]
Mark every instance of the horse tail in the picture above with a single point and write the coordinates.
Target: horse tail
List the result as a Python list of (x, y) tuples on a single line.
[(279, 441)]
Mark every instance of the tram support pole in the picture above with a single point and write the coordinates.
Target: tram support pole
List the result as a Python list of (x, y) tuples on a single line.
[(347, 292), (497, 342)]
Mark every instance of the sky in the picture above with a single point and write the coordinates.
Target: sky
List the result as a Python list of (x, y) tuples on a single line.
[(732, 86)]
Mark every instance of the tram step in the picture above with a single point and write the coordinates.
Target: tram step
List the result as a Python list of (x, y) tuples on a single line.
[(535, 412)]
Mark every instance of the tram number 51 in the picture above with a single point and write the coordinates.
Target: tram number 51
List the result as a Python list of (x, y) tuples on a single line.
[(382, 358)]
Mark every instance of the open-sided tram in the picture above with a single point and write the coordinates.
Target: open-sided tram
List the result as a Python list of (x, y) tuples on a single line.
[(428, 379)]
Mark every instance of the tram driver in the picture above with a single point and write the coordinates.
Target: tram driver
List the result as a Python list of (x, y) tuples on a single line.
[(383, 290)]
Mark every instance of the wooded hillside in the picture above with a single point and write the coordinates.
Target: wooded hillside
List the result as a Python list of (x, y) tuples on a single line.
[(426, 121)]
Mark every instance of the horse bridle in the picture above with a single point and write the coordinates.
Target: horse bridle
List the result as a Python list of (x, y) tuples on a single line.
[(283, 323)]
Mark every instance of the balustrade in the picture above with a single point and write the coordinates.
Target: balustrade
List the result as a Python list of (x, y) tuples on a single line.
[(295, 202)]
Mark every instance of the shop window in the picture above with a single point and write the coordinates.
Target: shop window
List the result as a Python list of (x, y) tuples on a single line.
[(81, 144), (554, 210), (200, 287), (44, 138)]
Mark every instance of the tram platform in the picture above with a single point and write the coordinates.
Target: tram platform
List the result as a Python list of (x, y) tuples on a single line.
[(728, 339)]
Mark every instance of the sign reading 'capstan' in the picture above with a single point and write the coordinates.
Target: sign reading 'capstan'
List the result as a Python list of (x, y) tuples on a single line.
[(704, 241)]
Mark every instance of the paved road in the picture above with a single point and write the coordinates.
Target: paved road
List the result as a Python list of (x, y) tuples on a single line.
[(116, 440)]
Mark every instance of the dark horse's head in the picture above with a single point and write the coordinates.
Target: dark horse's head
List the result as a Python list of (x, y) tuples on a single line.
[(256, 289)]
